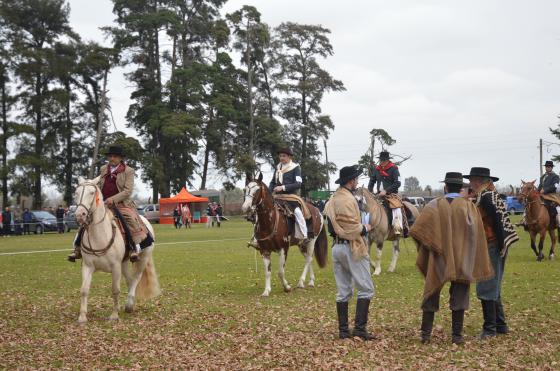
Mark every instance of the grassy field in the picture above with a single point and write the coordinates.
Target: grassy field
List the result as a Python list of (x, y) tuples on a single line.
[(211, 315)]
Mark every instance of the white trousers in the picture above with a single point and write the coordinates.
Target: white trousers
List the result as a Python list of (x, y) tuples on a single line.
[(301, 226), (397, 219)]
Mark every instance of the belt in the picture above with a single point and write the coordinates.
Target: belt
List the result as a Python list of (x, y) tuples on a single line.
[(340, 241)]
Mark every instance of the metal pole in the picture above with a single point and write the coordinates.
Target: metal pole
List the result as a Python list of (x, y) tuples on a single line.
[(327, 165), (540, 158)]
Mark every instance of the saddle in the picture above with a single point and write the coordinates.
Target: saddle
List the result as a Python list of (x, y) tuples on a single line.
[(286, 204), (127, 235), (394, 201), (288, 199)]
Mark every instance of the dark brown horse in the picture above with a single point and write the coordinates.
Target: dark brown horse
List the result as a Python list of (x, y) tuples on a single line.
[(272, 234), (537, 219)]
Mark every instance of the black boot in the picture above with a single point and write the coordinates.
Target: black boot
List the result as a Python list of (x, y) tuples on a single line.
[(489, 314), (77, 253), (501, 325), (360, 323), (342, 311), (426, 327), (457, 319)]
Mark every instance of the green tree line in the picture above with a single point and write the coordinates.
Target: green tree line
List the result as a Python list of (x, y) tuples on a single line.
[(212, 93)]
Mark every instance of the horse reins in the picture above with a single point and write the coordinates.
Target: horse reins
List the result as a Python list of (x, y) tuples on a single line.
[(276, 220), (529, 203), (89, 219)]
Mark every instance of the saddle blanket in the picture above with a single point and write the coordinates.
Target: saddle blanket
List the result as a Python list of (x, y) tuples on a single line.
[(299, 200)]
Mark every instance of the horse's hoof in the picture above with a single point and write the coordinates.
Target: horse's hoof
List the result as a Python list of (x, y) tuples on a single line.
[(391, 270), (265, 294), (129, 308), (300, 285), (377, 272), (551, 257), (82, 321), (311, 284), (113, 318), (288, 289)]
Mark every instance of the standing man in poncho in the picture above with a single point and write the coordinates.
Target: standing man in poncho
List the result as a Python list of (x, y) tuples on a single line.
[(449, 234), (350, 254), (500, 235)]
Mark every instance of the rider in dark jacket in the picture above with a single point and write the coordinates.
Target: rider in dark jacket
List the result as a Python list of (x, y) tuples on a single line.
[(548, 186), (387, 179), (287, 180)]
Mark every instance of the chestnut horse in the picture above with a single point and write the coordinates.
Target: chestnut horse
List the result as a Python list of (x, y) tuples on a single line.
[(272, 234), (537, 219)]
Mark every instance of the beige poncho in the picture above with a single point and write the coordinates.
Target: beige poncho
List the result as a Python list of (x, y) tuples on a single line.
[(344, 215), (451, 244)]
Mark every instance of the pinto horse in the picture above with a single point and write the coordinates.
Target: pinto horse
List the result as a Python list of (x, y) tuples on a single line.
[(272, 233), (537, 219), (380, 231), (103, 249)]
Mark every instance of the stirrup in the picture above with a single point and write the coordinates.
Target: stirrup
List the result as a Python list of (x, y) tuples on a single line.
[(134, 256)]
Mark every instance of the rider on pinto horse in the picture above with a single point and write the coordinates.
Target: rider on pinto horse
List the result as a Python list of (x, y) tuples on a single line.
[(387, 179), (116, 183), (287, 181)]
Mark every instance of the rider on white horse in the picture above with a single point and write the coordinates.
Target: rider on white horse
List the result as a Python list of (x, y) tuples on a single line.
[(387, 179), (117, 183), (287, 180)]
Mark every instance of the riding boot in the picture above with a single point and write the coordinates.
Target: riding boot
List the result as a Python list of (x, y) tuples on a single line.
[(501, 325), (457, 319), (360, 322), (77, 253), (489, 314), (134, 254), (309, 224), (426, 327), (342, 312)]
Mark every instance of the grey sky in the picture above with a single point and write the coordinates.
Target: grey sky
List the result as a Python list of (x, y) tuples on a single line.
[(456, 83)]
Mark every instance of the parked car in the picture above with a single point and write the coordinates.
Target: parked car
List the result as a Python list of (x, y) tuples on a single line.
[(151, 212), (70, 222), (514, 206), (140, 209), (419, 202), (41, 221)]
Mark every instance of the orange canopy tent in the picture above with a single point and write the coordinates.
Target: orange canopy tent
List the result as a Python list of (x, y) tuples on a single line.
[(196, 204)]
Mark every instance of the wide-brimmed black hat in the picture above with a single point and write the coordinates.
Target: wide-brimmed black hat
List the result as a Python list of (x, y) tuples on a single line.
[(481, 172), (384, 156), (115, 150), (348, 173), (549, 163), (286, 150), (453, 178)]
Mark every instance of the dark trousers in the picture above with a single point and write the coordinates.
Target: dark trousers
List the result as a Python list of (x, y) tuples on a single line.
[(458, 298), (7, 229), (26, 228), (60, 225)]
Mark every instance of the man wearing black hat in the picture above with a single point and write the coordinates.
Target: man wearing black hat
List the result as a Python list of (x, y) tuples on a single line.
[(350, 254), (117, 183), (387, 181), (500, 235), (287, 181), (452, 247), (548, 187)]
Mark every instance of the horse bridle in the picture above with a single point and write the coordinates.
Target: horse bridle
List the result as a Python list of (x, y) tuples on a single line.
[(88, 223), (255, 206)]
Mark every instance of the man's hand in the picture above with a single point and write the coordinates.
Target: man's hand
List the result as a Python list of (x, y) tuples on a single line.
[(278, 189), (542, 191), (382, 194), (368, 227), (109, 202)]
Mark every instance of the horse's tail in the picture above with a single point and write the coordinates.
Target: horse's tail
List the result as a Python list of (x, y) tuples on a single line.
[(321, 248), (148, 287)]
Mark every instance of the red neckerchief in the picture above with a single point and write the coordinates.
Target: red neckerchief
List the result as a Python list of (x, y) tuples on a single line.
[(119, 170), (383, 169)]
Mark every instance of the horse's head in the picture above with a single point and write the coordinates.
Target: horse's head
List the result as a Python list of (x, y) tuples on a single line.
[(88, 197), (253, 193), (527, 189)]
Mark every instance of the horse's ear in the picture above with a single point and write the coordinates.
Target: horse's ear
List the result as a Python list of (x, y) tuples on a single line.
[(260, 178), (96, 180), (522, 182), (81, 180), (533, 182)]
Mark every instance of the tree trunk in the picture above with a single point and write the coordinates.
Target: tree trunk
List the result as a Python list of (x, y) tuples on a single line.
[(37, 168), (205, 167), (69, 152), (303, 144), (4, 144), (250, 95), (100, 125)]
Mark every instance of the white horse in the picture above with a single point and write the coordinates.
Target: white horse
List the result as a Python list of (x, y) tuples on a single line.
[(381, 229), (103, 249)]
